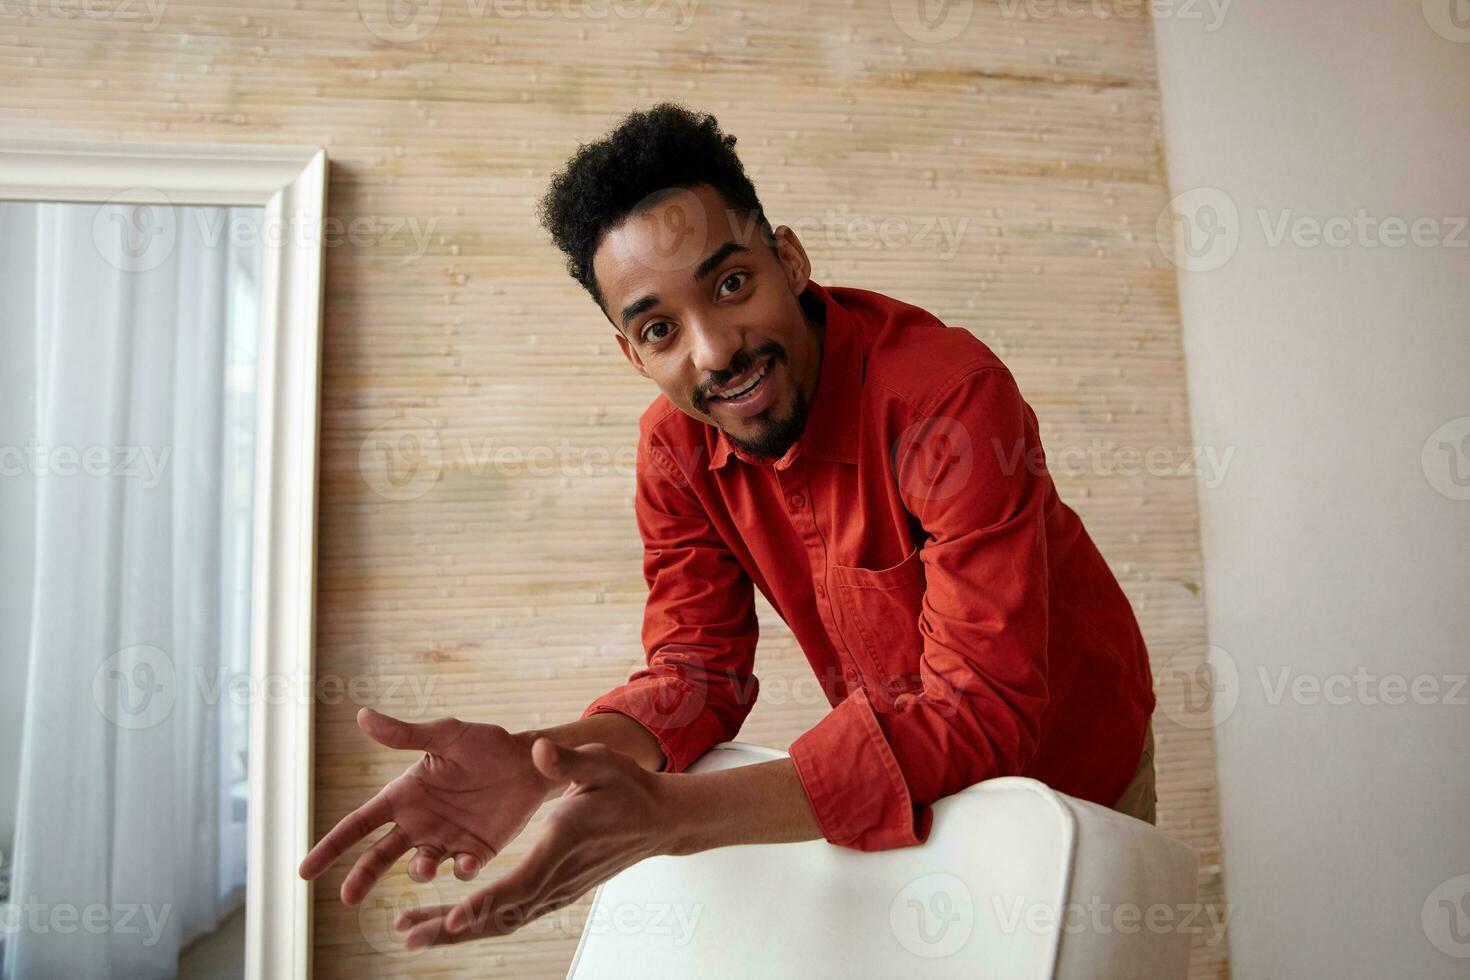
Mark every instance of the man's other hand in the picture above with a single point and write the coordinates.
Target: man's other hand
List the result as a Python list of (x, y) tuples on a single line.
[(472, 792)]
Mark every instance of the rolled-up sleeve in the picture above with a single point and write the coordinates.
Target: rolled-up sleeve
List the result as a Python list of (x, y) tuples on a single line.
[(969, 466), (699, 622)]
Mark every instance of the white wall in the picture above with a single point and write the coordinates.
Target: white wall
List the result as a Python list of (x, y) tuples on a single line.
[(17, 496), (1328, 547)]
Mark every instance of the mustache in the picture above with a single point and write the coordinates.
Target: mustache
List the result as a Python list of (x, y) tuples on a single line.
[(739, 365)]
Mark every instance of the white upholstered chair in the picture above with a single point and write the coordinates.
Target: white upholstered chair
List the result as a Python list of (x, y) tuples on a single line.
[(1016, 882)]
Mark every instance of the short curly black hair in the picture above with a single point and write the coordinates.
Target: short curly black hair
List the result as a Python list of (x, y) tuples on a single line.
[(657, 149)]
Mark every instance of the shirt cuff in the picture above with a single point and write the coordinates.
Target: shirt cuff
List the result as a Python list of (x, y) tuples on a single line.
[(674, 712), (854, 783)]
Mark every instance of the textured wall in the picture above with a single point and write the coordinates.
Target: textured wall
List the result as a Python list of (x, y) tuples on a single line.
[(478, 552)]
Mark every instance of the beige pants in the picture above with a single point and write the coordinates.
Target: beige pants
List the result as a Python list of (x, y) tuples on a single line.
[(1139, 799)]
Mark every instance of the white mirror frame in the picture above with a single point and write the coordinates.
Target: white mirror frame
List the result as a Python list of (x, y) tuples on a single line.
[(290, 183)]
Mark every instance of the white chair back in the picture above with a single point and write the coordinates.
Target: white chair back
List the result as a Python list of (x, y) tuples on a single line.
[(1016, 882)]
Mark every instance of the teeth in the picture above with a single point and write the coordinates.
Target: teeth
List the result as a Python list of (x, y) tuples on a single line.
[(745, 388)]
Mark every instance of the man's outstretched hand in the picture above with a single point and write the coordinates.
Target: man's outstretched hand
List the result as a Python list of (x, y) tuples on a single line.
[(613, 815), (472, 792)]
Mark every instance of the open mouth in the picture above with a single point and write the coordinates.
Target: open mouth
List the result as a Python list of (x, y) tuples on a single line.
[(747, 389)]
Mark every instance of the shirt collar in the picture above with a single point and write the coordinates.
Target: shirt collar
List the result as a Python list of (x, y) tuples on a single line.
[(831, 430)]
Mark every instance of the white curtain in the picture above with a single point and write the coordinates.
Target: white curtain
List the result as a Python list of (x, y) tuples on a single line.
[(130, 820)]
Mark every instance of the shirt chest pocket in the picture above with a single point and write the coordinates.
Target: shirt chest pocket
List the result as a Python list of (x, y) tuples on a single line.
[(878, 611)]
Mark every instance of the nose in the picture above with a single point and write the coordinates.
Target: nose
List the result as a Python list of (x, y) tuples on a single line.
[(714, 348)]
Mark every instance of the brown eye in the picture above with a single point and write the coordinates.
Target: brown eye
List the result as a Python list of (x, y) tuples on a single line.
[(741, 276), (656, 323)]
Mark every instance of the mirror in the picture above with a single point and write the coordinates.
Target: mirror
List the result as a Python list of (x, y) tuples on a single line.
[(159, 338)]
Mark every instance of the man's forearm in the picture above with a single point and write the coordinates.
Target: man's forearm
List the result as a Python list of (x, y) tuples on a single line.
[(759, 804)]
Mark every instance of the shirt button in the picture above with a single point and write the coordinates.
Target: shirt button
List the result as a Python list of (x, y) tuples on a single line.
[(821, 590), (797, 501)]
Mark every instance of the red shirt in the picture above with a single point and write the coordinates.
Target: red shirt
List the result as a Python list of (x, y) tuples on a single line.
[(958, 617)]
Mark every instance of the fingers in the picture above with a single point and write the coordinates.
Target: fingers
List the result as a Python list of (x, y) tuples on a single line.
[(409, 918), (373, 864), (513, 889), (429, 926), (467, 866), (531, 889), (425, 863), (352, 828), (398, 734), (589, 763), (426, 928)]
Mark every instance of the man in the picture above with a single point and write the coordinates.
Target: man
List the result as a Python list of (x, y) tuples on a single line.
[(878, 476)]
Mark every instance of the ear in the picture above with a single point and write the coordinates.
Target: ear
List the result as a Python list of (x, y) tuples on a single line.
[(793, 258), (629, 352)]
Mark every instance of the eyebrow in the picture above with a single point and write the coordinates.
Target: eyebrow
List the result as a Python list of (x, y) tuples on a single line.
[(719, 255)]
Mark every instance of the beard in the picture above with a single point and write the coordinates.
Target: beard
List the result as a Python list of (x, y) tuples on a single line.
[(775, 436)]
